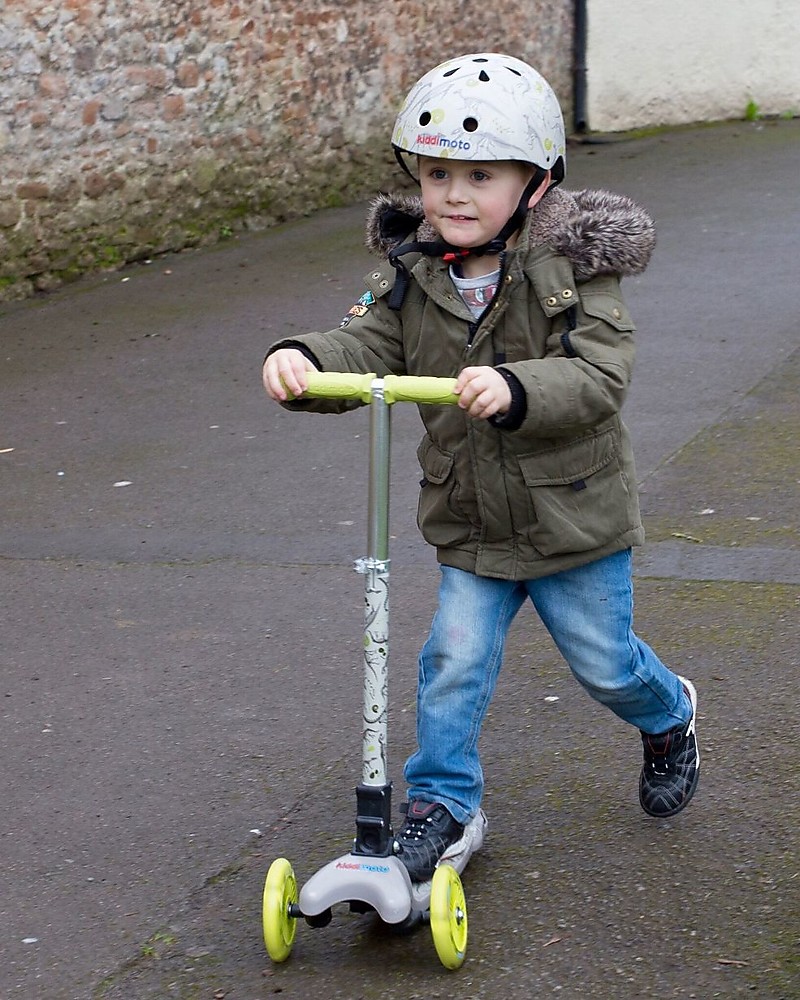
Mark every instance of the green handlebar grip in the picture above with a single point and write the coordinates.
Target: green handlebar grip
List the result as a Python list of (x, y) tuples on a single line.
[(339, 385), (396, 388), (418, 389)]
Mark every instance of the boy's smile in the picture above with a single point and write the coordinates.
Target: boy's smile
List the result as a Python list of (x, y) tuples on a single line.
[(467, 201)]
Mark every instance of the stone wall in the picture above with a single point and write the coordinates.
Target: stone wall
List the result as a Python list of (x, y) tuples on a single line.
[(128, 129)]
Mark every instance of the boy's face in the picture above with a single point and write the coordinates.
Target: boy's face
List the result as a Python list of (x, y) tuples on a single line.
[(467, 201)]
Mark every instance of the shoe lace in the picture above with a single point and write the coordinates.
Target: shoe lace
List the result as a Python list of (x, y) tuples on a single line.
[(662, 750), (415, 828)]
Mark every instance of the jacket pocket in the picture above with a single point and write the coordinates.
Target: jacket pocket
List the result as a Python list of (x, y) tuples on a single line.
[(440, 517), (579, 493)]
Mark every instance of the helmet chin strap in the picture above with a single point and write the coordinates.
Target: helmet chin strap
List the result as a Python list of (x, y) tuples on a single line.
[(451, 253), (498, 244)]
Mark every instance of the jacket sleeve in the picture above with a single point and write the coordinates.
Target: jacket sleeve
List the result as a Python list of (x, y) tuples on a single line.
[(369, 339), (584, 375)]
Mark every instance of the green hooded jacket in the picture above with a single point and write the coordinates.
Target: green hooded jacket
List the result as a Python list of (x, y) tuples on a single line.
[(559, 489)]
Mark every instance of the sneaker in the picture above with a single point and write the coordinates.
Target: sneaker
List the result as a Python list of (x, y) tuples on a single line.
[(470, 841), (427, 832), (671, 765), (457, 855)]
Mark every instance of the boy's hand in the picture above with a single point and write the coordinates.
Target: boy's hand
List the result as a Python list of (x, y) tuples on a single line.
[(483, 392), (286, 369)]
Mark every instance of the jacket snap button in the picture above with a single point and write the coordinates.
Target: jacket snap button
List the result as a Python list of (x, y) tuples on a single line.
[(552, 301), (616, 313), (567, 293), (384, 283), (376, 275)]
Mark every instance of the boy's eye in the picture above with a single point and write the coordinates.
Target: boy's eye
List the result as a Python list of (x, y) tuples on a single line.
[(480, 175), (438, 174)]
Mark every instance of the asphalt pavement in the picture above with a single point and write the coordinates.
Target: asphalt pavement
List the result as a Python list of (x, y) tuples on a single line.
[(181, 628)]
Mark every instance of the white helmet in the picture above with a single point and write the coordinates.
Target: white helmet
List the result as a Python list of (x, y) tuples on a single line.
[(484, 106)]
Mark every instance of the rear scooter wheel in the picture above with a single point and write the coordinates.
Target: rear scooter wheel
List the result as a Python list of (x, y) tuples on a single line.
[(448, 917), (280, 892)]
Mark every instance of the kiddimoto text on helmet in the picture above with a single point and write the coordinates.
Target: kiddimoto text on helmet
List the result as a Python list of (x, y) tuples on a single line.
[(442, 141)]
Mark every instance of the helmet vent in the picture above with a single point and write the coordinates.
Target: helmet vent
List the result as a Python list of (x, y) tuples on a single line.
[(470, 124), (425, 118), (511, 69), (450, 72), (483, 76)]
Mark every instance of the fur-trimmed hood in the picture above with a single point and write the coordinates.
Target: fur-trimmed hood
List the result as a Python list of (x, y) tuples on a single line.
[(598, 231)]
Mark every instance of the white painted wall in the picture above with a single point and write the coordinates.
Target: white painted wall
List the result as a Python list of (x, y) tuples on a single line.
[(653, 62)]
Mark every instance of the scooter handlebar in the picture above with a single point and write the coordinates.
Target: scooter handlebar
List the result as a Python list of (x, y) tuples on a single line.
[(419, 389), (396, 388), (339, 385)]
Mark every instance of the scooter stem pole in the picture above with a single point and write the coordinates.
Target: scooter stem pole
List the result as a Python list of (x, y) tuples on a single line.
[(376, 595), (379, 458)]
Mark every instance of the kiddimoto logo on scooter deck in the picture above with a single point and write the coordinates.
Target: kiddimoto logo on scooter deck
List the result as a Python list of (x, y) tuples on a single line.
[(362, 867)]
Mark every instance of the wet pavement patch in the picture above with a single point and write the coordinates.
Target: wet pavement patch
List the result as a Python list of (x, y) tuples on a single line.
[(726, 505)]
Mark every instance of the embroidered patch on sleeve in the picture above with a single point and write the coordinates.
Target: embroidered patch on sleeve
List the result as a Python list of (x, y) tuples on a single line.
[(361, 308)]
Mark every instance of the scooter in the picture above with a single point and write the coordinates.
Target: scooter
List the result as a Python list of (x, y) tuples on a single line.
[(371, 878)]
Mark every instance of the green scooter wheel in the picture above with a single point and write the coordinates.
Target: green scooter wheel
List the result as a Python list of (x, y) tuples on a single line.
[(280, 892), (448, 917)]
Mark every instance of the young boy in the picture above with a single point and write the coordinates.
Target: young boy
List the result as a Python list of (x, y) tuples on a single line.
[(511, 284)]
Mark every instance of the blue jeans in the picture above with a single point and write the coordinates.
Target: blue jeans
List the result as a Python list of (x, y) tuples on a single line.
[(589, 613)]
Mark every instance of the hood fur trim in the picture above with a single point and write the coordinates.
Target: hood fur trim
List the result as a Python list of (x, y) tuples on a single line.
[(598, 231)]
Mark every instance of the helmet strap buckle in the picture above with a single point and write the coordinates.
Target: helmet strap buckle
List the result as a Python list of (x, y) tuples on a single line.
[(453, 256)]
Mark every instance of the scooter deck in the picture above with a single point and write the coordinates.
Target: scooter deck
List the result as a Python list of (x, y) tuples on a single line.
[(384, 883)]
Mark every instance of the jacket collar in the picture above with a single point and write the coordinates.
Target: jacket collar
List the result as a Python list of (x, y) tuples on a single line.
[(598, 231)]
